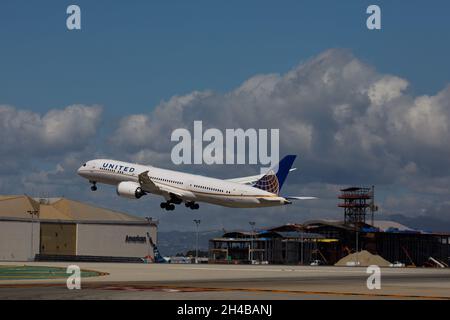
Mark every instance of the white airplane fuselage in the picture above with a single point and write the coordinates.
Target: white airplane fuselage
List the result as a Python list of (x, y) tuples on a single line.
[(184, 187)]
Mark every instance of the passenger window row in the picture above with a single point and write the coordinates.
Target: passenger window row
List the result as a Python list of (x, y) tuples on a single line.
[(211, 189)]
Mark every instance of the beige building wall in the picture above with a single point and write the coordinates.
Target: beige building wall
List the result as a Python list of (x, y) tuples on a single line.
[(15, 240), (111, 240)]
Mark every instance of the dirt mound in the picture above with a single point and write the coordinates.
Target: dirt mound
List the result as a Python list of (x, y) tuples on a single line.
[(363, 259)]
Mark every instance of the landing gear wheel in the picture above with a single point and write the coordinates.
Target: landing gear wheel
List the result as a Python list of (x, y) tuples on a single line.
[(167, 205), (193, 206), (94, 185)]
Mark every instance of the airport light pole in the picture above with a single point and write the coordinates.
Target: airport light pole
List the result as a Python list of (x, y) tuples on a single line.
[(150, 240), (302, 240), (197, 223), (252, 224), (33, 213), (356, 243)]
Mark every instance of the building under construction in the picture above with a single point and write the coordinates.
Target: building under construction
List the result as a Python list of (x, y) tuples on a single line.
[(326, 242)]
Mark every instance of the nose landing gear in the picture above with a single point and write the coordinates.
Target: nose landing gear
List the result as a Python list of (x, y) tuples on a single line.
[(94, 186)]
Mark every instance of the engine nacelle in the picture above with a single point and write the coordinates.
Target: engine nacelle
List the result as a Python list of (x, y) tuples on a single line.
[(130, 190)]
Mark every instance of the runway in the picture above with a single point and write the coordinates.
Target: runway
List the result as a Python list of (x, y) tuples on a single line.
[(237, 282)]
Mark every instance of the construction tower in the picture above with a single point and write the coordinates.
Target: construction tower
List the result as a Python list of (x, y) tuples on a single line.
[(357, 201)]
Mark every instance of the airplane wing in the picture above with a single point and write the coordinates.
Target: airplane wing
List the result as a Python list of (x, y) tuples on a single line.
[(250, 179), (148, 185)]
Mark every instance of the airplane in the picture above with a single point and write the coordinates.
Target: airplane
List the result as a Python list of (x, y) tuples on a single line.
[(134, 181)]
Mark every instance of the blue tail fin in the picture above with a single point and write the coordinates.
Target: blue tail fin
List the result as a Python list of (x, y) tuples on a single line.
[(274, 179)]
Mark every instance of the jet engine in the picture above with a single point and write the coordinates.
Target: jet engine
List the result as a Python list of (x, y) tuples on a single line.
[(129, 189)]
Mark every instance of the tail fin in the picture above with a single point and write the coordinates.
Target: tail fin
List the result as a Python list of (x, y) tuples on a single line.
[(273, 180)]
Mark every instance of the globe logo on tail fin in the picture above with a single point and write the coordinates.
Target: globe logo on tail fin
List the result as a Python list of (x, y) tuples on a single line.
[(268, 183)]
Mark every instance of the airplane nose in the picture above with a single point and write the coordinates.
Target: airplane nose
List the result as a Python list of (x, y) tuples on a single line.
[(81, 171)]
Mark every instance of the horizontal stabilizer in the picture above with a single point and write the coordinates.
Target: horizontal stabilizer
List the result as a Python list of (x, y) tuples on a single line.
[(301, 198)]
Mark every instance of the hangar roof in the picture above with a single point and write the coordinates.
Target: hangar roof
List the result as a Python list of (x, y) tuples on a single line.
[(381, 225), (62, 209), (386, 225)]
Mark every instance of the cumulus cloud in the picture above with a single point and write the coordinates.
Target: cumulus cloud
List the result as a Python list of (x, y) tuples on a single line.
[(332, 110), (349, 123), (40, 153), (24, 132)]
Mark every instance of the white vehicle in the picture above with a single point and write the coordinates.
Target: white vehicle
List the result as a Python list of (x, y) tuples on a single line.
[(134, 181), (397, 264), (316, 263)]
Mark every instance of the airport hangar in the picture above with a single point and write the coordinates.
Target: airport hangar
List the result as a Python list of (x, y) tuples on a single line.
[(66, 230)]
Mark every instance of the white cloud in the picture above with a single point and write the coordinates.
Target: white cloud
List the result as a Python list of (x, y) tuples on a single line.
[(332, 108), (386, 89), (428, 119), (40, 153), (348, 123), (27, 133)]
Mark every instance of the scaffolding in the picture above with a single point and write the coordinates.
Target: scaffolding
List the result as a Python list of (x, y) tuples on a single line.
[(357, 201)]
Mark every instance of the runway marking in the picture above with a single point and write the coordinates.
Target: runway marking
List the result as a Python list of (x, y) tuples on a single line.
[(302, 292), (361, 271), (180, 289)]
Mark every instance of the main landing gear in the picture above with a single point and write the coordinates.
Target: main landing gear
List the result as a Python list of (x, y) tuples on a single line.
[(192, 205), (94, 186), (167, 205)]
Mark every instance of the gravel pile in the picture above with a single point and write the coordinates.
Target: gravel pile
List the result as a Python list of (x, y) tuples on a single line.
[(363, 259)]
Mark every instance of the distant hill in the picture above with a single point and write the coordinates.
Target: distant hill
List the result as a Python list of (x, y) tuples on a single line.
[(425, 223), (172, 242)]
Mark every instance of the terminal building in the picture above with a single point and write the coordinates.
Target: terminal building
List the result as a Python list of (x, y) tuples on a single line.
[(68, 230), (326, 241)]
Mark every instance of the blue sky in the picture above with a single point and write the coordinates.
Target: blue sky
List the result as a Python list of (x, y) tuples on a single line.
[(131, 55), (362, 107)]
